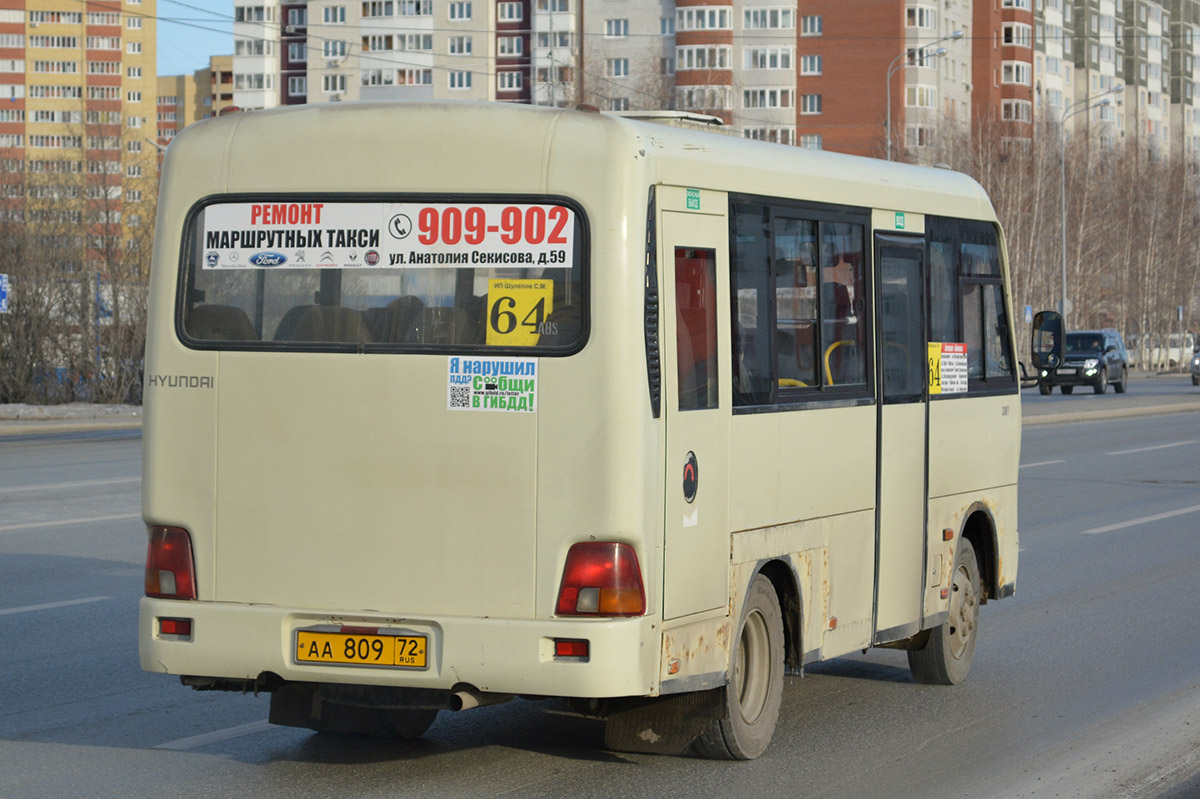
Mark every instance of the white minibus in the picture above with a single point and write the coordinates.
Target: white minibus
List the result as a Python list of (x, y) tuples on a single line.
[(451, 403)]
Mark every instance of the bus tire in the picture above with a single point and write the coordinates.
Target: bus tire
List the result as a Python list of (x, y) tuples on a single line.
[(946, 656), (752, 697)]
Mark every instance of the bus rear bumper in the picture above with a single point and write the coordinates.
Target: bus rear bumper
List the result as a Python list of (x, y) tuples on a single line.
[(229, 641)]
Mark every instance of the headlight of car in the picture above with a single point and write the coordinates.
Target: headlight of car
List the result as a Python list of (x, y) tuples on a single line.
[(1091, 363), (1196, 361)]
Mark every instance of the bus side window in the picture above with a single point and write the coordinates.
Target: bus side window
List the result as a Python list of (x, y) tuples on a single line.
[(696, 327)]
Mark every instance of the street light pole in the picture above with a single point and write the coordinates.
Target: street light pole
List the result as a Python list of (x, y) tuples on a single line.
[(1086, 104), (895, 65)]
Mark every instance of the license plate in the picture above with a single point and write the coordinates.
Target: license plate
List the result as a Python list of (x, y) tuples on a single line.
[(1067, 371), (384, 651)]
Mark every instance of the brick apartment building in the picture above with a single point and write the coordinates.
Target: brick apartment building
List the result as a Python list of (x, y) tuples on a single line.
[(917, 77)]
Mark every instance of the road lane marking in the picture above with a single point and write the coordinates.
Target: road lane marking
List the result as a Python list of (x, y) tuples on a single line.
[(1151, 449), (1040, 463), (78, 484), (51, 605), (1144, 520), (61, 522), (217, 735)]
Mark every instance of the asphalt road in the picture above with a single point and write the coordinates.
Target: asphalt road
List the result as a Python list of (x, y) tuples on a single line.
[(1086, 684)]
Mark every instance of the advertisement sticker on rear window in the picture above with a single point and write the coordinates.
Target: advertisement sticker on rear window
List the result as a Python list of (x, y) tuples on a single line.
[(314, 235), (492, 384)]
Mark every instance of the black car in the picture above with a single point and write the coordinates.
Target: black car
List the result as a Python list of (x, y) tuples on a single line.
[(1090, 358)]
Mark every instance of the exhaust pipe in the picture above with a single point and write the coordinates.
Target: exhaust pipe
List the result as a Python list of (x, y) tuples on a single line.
[(467, 698)]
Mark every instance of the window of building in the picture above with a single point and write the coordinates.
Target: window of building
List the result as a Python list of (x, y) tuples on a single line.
[(1017, 34), (703, 57), (1016, 110), (460, 11), (1019, 72), (510, 45), (377, 8), (460, 80), (297, 86), (509, 81), (810, 65), (699, 18), (616, 28), (769, 57), (334, 15), (297, 52), (811, 26), (921, 17), (333, 84), (758, 18), (509, 12), (617, 67), (460, 45), (920, 96), (377, 77)]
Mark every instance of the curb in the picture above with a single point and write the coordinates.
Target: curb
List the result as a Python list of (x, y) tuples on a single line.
[(15, 429), (1114, 413)]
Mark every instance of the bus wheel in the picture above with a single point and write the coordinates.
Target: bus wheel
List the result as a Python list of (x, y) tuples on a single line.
[(755, 688), (946, 656)]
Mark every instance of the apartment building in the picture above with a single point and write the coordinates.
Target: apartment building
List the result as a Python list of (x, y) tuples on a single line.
[(1146, 50), (1054, 63), (1185, 68), (78, 123), (907, 78), (630, 55)]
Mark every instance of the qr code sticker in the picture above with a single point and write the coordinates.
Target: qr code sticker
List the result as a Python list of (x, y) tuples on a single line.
[(460, 396)]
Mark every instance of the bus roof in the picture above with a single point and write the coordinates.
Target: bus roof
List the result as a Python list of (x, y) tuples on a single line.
[(382, 146)]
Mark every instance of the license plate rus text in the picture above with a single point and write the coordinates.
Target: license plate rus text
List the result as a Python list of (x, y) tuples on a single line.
[(387, 651)]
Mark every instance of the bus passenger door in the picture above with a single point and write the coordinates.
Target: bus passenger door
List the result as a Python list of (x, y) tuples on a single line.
[(902, 436), (695, 287)]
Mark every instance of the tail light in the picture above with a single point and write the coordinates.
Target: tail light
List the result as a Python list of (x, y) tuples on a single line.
[(601, 579), (170, 572)]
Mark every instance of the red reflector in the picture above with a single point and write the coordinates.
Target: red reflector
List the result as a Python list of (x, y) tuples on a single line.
[(601, 579), (175, 626), (565, 648), (170, 573)]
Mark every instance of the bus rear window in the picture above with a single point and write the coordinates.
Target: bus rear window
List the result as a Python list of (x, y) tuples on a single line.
[(385, 275)]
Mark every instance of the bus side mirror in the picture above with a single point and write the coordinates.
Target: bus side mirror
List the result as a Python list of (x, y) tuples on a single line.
[(1046, 346)]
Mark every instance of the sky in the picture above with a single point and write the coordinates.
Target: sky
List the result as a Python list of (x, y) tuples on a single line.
[(189, 31)]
